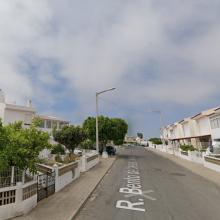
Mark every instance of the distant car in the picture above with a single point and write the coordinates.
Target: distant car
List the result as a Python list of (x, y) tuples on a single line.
[(78, 152), (110, 150)]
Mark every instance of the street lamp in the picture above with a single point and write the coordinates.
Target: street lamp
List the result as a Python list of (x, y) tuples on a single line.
[(97, 115), (161, 121)]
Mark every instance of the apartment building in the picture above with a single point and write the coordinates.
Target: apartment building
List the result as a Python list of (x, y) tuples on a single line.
[(10, 113), (215, 128), (50, 122), (199, 130), (130, 139)]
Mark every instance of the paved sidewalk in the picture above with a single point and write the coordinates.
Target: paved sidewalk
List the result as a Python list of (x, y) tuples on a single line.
[(196, 168), (65, 204)]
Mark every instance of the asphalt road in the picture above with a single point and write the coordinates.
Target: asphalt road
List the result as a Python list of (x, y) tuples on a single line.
[(169, 191)]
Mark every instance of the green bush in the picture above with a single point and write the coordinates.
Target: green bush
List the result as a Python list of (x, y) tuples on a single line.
[(58, 149), (187, 148), (87, 144), (156, 141)]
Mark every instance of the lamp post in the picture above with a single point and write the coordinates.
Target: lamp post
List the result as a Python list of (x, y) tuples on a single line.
[(97, 115), (161, 121)]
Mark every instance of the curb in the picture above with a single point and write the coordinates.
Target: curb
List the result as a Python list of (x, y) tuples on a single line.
[(86, 199), (173, 157)]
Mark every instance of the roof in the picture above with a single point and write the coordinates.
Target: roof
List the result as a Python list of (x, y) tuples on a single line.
[(205, 113), (52, 118), (215, 112), (19, 108)]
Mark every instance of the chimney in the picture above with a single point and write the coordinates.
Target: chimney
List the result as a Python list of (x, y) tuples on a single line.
[(29, 103), (2, 96)]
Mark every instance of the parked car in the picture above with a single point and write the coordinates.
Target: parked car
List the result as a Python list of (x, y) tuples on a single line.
[(111, 150), (78, 151)]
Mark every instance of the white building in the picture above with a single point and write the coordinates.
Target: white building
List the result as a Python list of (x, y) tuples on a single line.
[(199, 130), (10, 113), (50, 122), (215, 129)]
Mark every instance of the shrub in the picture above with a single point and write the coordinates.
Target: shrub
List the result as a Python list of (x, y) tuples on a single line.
[(87, 144), (187, 148), (156, 141), (58, 149)]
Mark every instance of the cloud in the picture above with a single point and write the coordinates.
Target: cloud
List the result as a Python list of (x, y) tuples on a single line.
[(152, 51)]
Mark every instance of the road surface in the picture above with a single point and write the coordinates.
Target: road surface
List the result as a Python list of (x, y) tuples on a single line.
[(143, 185)]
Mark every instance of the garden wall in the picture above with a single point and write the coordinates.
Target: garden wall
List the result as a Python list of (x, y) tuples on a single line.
[(89, 160), (212, 163), (66, 174), (17, 200)]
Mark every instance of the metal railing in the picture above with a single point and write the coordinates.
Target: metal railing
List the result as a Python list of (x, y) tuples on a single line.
[(12, 175)]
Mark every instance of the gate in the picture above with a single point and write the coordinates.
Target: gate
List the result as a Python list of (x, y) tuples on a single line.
[(46, 185)]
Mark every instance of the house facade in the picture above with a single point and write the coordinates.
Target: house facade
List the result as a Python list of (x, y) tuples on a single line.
[(200, 130), (10, 113), (48, 123)]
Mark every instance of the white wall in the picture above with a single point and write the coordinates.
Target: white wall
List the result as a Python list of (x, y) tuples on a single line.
[(20, 206), (212, 166), (66, 178), (215, 133), (194, 130), (204, 126), (2, 106), (176, 132), (85, 166), (15, 115), (180, 131), (186, 129), (196, 156)]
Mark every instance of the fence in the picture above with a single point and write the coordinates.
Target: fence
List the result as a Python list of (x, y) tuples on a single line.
[(66, 174), (212, 162), (20, 191), (18, 199), (12, 175), (89, 160)]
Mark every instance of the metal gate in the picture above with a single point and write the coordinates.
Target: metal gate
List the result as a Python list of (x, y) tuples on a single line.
[(46, 185)]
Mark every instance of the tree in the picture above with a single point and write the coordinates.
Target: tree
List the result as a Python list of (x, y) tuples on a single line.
[(70, 136), (120, 129), (110, 129), (20, 147), (105, 129), (156, 141), (140, 135), (87, 144), (58, 149)]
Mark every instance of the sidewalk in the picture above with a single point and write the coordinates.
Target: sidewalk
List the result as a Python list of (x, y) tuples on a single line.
[(65, 204), (196, 168)]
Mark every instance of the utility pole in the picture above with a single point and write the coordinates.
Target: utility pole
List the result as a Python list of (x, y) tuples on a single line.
[(97, 116)]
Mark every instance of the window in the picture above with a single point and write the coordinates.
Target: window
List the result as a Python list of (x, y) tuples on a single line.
[(215, 123), (48, 124), (27, 119)]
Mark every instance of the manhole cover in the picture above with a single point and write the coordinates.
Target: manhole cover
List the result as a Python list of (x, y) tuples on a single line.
[(178, 174)]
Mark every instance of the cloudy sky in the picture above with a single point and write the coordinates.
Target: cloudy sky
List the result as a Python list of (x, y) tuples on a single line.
[(160, 55)]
